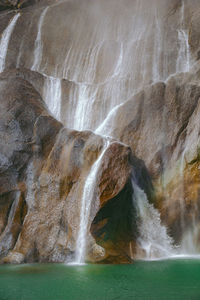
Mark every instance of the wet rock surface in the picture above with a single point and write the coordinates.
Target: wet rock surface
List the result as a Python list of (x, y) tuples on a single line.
[(43, 168), (17, 4), (168, 114), (147, 101)]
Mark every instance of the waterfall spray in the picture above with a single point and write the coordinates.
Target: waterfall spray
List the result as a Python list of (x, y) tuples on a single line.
[(88, 196), (183, 60), (38, 43), (157, 49), (52, 94), (153, 239), (5, 41), (190, 237)]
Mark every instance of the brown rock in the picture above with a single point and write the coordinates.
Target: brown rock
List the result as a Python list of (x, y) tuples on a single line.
[(161, 124), (42, 187)]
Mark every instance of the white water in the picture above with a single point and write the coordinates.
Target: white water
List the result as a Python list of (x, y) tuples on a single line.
[(181, 199), (190, 244), (4, 42), (183, 60), (52, 95), (153, 239), (107, 56), (38, 50), (108, 53), (157, 49), (191, 236), (106, 126), (83, 99), (87, 198)]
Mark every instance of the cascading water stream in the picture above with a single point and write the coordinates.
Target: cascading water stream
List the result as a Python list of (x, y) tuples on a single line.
[(95, 73), (157, 49), (52, 95), (38, 50), (83, 111), (87, 198), (181, 200), (190, 236), (106, 126), (4, 42), (153, 239), (183, 60), (190, 240)]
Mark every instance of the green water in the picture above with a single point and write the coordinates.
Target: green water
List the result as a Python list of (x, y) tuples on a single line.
[(172, 279)]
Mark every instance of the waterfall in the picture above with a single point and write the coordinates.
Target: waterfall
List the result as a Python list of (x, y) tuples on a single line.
[(30, 196), (99, 56), (157, 49), (38, 51), (106, 126), (109, 59), (52, 95), (107, 55), (181, 200), (83, 111), (183, 60), (190, 236), (87, 198), (153, 239), (5, 41)]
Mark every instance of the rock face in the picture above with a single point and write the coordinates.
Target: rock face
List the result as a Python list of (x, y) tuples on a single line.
[(194, 34), (168, 114), (43, 168), (112, 62), (11, 4), (130, 72)]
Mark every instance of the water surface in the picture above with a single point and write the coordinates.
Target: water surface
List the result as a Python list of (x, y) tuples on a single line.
[(170, 279)]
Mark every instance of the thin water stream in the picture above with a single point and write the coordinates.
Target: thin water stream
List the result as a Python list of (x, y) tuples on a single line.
[(4, 42), (38, 50), (90, 186), (52, 95)]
